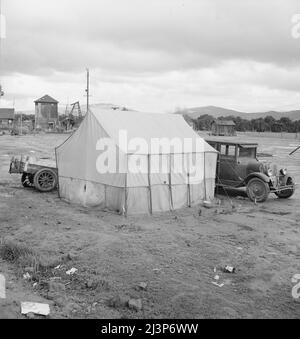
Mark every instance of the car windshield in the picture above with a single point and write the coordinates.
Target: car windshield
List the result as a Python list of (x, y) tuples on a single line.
[(247, 152)]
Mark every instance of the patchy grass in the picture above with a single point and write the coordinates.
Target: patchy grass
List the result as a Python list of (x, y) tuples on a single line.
[(20, 255)]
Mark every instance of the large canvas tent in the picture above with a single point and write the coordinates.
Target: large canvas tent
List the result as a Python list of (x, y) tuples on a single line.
[(111, 162)]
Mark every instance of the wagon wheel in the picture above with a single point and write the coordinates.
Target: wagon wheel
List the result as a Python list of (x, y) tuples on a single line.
[(27, 180), (258, 190), (285, 194), (45, 180)]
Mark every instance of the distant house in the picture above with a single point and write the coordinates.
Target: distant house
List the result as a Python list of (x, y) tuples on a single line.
[(223, 128), (46, 113), (7, 117)]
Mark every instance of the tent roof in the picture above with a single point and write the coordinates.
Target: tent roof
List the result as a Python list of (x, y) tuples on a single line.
[(145, 125)]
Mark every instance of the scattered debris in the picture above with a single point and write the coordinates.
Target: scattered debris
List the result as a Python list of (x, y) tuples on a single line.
[(207, 204), (72, 271), (143, 286), (27, 276), (135, 304), (217, 277), (229, 269), (219, 285), (57, 267), (35, 308)]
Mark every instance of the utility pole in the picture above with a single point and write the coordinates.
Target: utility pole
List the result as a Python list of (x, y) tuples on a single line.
[(2, 36), (87, 90)]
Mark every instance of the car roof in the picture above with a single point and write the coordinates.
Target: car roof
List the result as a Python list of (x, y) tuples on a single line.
[(232, 142)]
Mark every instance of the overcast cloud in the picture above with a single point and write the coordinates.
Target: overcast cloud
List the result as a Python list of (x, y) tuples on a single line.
[(153, 55)]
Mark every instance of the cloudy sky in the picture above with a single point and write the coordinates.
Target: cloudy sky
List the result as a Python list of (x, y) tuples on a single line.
[(153, 55)]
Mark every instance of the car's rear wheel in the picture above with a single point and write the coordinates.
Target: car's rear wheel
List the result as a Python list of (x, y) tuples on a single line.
[(45, 180), (288, 192), (258, 190)]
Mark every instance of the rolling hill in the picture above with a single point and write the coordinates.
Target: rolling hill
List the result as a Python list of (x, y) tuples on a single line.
[(217, 112)]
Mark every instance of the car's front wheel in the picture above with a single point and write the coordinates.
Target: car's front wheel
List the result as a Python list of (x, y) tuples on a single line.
[(258, 190), (285, 194)]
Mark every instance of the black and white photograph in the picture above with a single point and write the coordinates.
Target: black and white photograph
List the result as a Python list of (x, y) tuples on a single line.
[(149, 162)]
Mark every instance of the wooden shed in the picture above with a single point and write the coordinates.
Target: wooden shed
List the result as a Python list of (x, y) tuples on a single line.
[(46, 113), (7, 117), (223, 128)]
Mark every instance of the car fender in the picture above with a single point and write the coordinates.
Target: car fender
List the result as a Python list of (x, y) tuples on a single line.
[(284, 179), (259, 175)]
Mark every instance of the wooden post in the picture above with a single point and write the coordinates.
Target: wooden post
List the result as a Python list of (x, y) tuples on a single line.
[(149, 183)]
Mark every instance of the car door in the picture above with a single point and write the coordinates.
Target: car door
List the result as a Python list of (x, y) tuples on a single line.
[(228, 174)]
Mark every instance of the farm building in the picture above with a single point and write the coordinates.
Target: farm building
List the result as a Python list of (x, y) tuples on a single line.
[(223, 128), (112, 162), (46, 113), (7, 117)]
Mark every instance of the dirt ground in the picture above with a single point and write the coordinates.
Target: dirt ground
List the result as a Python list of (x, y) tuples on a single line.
[(176, 254)]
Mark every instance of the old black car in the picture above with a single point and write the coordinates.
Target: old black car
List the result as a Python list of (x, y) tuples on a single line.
[(239, 167)]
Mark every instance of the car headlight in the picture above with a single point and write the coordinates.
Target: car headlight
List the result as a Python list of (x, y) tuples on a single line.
[(283, 171), (270, 172)]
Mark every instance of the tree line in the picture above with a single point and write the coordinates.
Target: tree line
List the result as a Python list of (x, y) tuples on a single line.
[(267, 124)]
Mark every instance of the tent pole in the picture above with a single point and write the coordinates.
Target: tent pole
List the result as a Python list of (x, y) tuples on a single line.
[(126, 196), (57, 174), (205, 191), (126, 189), (189, 191), (105, 195), (170, 184), (149, 182)]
